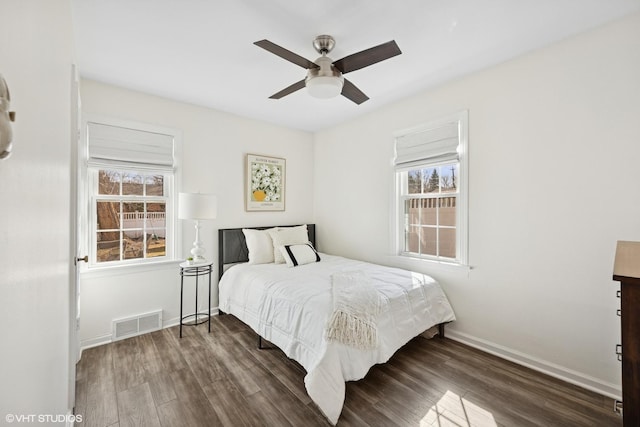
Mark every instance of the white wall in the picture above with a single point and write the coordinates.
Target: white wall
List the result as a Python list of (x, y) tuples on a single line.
[(554, 141), (214, 145), (36, 47)]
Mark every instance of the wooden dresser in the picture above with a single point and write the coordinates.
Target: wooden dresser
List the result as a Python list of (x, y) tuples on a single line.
[(627, 272)]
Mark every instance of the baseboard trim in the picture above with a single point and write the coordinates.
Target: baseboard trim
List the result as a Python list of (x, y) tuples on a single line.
[(573, 377), (108, 338), (94, 342), (172, 322)]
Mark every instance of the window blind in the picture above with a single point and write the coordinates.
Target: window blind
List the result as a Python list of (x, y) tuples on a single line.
[(109, 144), (428, 146)]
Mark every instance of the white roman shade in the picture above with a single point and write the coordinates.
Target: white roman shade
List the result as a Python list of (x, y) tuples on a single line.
[(109, 144), (436, 144)]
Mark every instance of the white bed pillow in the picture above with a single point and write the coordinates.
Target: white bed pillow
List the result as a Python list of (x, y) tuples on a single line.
[(260, 245), (287, 236), (295, 255)]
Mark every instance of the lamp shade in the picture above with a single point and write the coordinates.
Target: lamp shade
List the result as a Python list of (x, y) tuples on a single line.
[(627, 262), (197, 206)]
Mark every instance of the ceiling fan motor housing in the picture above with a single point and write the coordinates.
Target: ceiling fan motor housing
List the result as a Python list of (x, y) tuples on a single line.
[(325, 81)]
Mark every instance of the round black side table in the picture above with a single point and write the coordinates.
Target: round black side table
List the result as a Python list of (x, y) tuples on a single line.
[(195, 270)]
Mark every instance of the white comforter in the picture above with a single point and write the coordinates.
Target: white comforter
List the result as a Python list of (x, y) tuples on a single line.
[(290, 307)]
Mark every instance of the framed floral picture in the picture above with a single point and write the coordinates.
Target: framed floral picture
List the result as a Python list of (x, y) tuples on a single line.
[(265, 180)]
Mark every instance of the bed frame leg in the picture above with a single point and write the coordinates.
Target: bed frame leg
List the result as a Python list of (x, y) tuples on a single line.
[(441, 330), (261, 345)]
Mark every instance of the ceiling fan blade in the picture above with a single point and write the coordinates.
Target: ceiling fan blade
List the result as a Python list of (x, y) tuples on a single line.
[(286, 91), (367, 57), (286, 54), (349, 90)]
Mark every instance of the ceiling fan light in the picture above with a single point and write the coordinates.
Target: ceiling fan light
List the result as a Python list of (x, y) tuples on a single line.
[(324, 87)]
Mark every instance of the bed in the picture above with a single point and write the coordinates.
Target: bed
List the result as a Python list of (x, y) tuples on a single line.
[(293, 307)]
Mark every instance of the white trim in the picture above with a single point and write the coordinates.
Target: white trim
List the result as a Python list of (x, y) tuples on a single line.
[(588, 382), (95, 342), (409, 262), (125, 269), (173, 322), (74, 313), (463, 197)]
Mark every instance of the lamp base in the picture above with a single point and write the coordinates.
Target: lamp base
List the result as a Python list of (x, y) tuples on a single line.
[(198, 259), (197, 252)]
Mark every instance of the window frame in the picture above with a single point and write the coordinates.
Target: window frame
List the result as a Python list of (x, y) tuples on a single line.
[(87, 188), (401, 193)]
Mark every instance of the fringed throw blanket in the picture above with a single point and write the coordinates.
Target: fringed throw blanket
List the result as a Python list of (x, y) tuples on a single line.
[(356, 305)]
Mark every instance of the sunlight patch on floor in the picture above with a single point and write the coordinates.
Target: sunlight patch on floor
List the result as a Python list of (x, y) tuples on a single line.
[(454, 411)]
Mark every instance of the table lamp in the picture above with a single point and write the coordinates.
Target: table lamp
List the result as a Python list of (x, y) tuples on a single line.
[(198, 207)]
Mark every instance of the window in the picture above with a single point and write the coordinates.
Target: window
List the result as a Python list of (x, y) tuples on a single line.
[(130, 175), (431, 191), (131, 214)]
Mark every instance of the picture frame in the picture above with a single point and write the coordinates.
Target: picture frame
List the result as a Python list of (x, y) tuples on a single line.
[(265, 179)]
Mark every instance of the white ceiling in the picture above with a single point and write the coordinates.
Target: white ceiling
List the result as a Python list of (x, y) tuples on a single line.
[(202, 52)]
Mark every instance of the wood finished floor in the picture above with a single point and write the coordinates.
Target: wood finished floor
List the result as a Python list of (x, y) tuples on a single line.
[(222, 379)]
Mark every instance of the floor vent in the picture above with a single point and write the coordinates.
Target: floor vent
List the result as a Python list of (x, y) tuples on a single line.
[(136, 325)]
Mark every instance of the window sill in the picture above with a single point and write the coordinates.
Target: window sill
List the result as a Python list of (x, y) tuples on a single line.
[(410, 262), (117, 270)]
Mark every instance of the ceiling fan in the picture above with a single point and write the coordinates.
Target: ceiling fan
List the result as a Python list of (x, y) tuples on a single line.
[(325, 76)]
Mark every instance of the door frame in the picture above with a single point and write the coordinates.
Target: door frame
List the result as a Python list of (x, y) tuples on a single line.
[(74, 289)]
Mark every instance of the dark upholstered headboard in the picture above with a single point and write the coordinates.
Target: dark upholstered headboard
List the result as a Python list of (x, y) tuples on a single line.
[(232, 247)]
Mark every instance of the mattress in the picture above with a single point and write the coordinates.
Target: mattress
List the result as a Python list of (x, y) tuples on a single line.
[(291, 306)]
